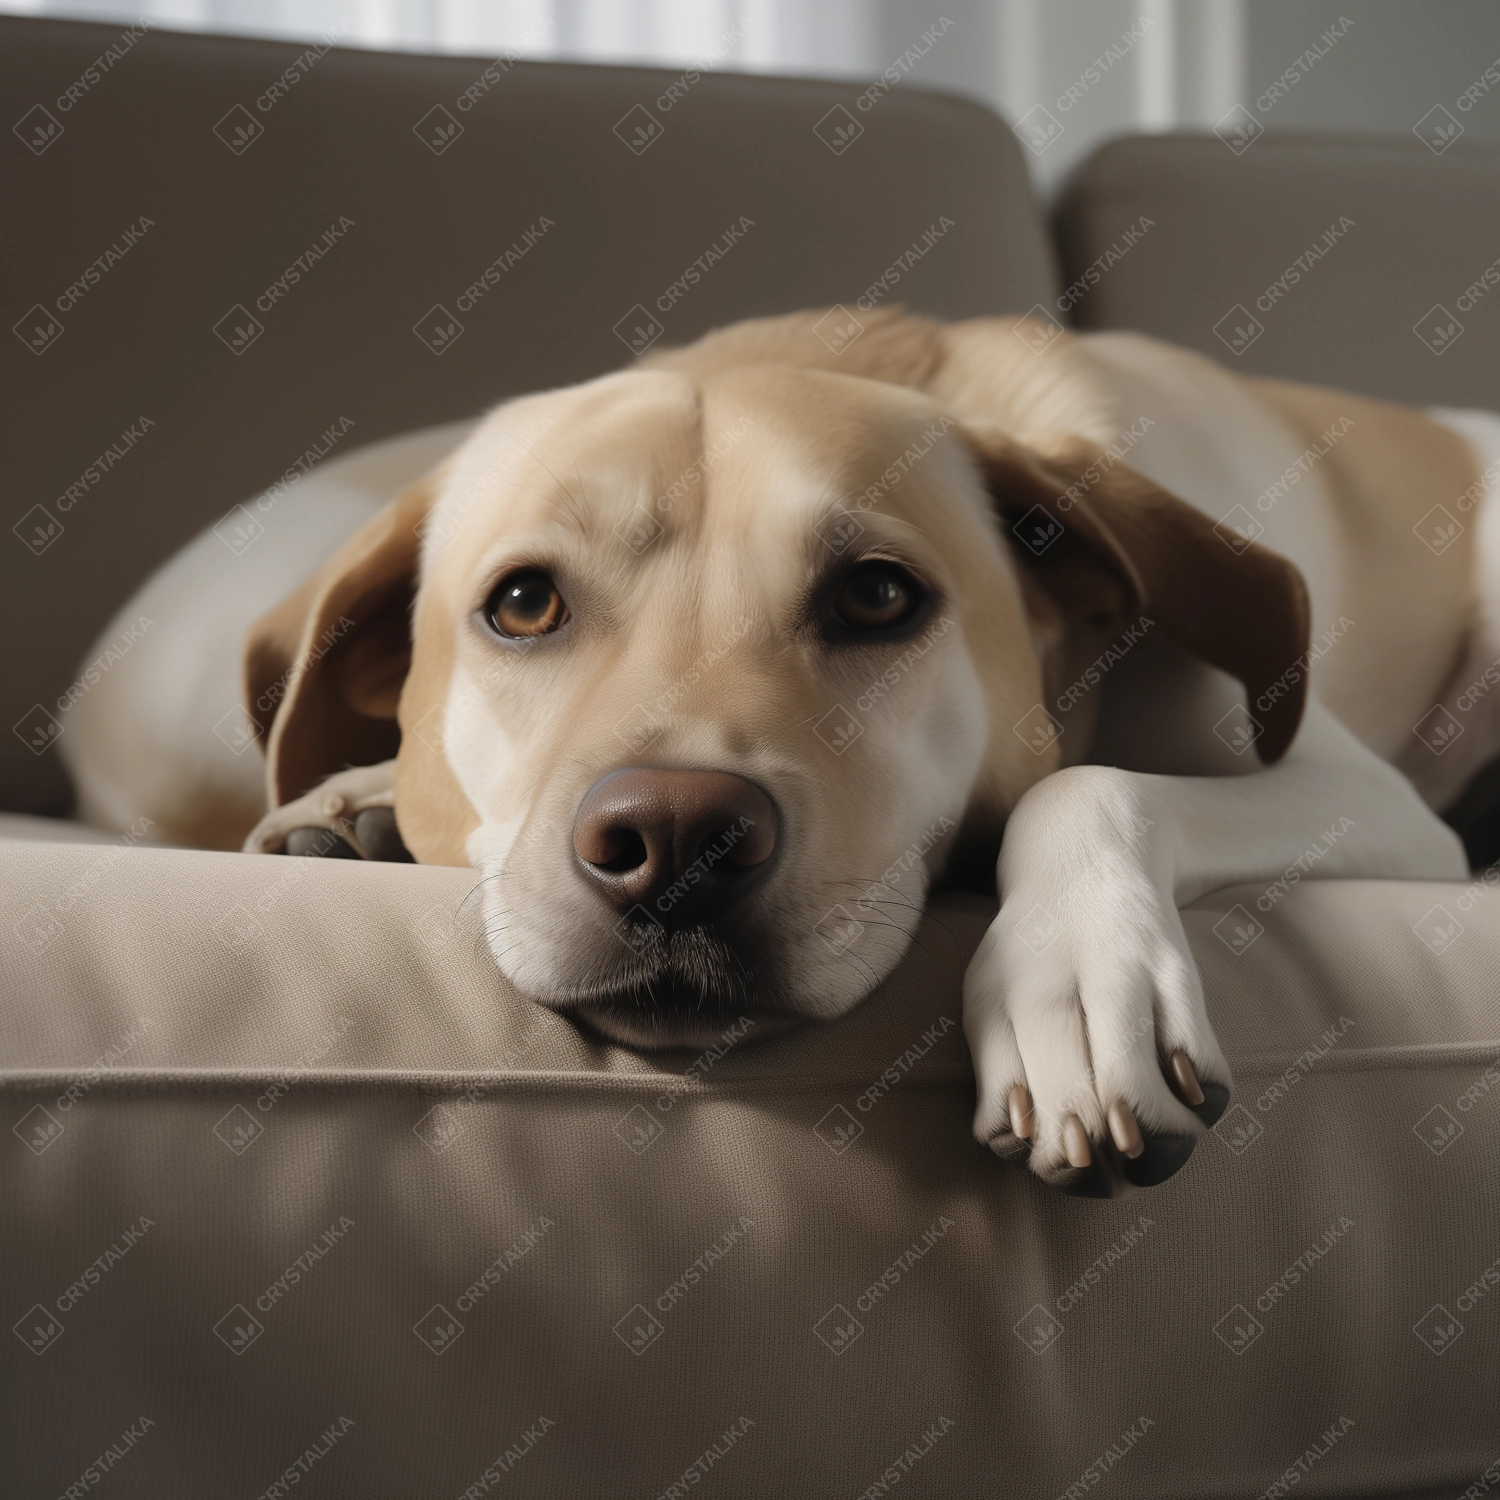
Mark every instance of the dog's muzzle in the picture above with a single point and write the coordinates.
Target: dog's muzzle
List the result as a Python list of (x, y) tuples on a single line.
[(676, 854)]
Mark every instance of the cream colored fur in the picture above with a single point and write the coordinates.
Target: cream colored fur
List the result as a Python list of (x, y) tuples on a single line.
[(740, 453)]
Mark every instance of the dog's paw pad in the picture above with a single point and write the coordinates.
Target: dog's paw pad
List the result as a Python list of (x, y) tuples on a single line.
[(1009, 1146), (1215, 1102), (378, 836), (318, 843), (1161, 1157), (1093, 1181)]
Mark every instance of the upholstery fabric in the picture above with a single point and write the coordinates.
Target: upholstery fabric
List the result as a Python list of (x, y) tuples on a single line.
[(1342, 259), (349, 1136), (348, 344)]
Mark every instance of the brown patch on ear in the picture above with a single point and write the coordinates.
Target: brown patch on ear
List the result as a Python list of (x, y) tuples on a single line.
[(324, 669), (1106, 542)]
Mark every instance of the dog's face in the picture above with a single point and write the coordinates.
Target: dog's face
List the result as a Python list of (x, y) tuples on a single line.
[(706, 667), (632, 583)]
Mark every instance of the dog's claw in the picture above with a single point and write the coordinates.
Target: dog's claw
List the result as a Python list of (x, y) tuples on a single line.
[(1020, 1111), (1186, 1079), (1124, 1131), (1076, 1143)]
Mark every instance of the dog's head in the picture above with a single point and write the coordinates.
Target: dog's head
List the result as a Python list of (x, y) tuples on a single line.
[(709, 670)]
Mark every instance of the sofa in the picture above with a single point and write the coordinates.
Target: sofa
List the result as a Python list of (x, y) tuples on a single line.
[(298, 1192)]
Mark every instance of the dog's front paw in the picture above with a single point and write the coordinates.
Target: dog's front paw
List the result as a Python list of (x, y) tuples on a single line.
[(349, 816), (1094, 1055)]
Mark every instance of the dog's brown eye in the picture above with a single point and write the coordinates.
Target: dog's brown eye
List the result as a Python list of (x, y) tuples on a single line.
[(876, 595), (526, 604)]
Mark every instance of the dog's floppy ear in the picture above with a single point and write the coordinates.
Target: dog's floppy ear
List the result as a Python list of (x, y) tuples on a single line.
[(1103, 540), (324, 669)]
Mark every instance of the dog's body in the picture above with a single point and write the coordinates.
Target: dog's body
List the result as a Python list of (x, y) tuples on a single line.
[(718, 528)]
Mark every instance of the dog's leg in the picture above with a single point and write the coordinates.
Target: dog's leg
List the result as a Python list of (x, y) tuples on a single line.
[(350, 816), (1083, 993)]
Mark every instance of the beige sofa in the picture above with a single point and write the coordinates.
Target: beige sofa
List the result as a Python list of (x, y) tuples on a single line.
[(298, 1193)]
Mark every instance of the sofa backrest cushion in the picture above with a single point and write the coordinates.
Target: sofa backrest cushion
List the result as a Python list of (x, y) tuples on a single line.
[(342, 245), (1369, 264)]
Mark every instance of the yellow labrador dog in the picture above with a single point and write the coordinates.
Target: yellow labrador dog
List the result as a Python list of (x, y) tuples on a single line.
[(713, 666)]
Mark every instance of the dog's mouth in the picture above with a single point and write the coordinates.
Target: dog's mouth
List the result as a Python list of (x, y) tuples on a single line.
[(690, 988)]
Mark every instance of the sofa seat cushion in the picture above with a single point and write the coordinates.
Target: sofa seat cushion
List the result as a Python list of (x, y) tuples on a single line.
[(299, 1178)]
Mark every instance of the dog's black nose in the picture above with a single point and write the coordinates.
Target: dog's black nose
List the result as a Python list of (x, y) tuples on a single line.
[(681, 844)]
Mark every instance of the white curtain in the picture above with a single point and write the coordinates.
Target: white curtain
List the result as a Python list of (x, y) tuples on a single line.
[(1096, 67)]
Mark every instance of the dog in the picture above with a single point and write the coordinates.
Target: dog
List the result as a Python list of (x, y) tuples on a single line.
[(688, 659)]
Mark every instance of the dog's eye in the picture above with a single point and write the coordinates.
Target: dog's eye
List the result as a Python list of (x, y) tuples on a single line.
[(877, 595), (526, 603)]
